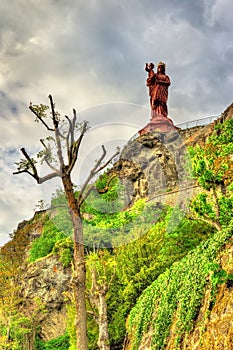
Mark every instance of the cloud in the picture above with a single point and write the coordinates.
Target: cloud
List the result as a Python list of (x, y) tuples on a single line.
[(18, 195), (92, 54)]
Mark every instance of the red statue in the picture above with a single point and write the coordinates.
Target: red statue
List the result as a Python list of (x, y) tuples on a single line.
[(158, 84)]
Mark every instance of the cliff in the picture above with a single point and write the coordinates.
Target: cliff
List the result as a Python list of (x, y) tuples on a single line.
[(39, 288), (44, 285), (150, 166), (190, 305), (157, 163)]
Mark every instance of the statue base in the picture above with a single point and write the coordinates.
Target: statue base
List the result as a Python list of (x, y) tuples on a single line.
[(159, 124)]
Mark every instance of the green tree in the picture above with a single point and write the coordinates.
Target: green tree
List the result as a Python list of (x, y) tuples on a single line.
[(60, 153)]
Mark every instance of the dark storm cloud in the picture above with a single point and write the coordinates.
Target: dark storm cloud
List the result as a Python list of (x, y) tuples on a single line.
[(96, 50)]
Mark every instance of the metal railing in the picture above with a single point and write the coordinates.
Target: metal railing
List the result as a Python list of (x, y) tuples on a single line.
[(188, 125), (198, 122)]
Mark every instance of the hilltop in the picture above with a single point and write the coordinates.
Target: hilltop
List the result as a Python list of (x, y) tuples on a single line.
[(36, 311)]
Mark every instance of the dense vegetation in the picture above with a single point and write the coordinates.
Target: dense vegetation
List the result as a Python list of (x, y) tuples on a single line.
[(152, 249), (156, 260), (60, 343), (177, 294)]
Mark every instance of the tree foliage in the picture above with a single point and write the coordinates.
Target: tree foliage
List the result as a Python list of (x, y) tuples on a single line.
[(44, 245)]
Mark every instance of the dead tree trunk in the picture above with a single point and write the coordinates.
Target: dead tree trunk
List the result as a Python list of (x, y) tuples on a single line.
[(79, 271), (97, 297), (103, 340)]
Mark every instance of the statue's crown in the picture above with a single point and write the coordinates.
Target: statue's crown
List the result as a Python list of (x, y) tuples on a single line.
[(161, 64)]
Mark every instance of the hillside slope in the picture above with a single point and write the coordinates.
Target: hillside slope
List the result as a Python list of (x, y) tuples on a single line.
[(190, 305), (150, 166)]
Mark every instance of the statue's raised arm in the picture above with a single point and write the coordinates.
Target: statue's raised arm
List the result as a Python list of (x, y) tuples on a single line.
[(149, 67)]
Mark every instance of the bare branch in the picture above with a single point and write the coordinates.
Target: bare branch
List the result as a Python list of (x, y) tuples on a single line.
[(41, 119), (91, 175), (48, 177), (57, 134), (69, 142), (108, 162), (55, 119), (74, 119), (46, 159), (96, 169), (24, 171), (34, 172), (84, 197), (74, 148), (60, 134), (71, 130), (31, 163), (39, 180), (71, 135)]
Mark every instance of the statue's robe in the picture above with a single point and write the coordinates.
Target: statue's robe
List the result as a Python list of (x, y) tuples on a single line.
[(158, 90)]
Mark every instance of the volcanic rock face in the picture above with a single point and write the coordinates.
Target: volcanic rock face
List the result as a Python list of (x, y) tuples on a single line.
[(44, 284), (157, 162), (151, 164)]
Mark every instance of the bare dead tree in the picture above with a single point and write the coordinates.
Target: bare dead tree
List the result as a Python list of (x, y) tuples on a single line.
[(66, 146), (101, 280)]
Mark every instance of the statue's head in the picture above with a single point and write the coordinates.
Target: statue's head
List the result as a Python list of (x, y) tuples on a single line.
[(161, 67)]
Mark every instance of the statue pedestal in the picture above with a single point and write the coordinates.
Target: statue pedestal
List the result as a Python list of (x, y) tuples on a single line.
[(159, 124)]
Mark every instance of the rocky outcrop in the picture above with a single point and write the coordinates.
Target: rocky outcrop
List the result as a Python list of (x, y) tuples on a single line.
[(157, 163), (41, 284), (43, 287), (152, 164)]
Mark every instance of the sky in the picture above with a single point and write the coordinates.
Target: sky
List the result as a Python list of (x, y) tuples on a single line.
[(90, 55)]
